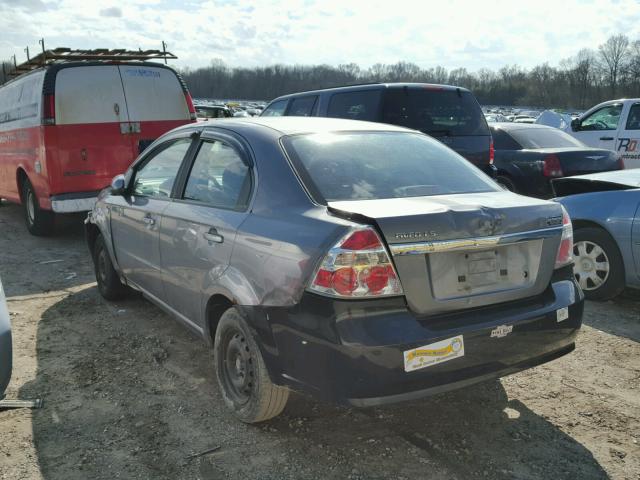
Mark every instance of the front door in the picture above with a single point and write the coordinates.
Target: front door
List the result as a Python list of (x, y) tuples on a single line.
[(599, 128), (199, 227), (135, 217)]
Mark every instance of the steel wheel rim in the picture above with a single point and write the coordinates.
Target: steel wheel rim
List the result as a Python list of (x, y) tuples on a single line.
[(31, 206), (592, 266), (237, 367)]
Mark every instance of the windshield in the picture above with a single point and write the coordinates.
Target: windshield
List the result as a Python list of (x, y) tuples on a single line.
[(375, 165), (532, 138), (437, 112)]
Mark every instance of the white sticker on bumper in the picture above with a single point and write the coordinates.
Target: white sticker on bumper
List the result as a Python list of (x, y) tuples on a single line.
[(562, 314), (432, 354)]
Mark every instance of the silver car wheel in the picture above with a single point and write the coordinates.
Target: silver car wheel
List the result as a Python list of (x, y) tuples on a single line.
[(591, 266), (31, 206)]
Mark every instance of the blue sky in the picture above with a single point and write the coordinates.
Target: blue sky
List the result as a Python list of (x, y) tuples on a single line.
[(454, 33)]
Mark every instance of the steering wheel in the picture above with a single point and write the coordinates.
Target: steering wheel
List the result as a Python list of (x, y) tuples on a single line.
[(602, 124)]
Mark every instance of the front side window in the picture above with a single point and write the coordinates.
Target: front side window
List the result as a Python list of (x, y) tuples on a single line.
[(376, 165), (606, 118), (633, 122), (303, 107), (155, 178), (363, 105), (218, 177), (275, 109)]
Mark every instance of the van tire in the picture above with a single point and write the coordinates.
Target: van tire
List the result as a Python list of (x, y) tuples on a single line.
[(109, 284), (39, 221), (237, 360)]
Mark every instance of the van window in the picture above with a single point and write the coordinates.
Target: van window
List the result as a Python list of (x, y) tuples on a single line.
[(303, 106), (362, 105), (275, 109), (437, 112)]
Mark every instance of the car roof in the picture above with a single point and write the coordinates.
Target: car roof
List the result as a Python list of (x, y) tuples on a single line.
[(510, 126)]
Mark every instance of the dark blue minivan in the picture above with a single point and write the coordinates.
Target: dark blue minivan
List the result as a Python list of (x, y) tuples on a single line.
[(450, 114)]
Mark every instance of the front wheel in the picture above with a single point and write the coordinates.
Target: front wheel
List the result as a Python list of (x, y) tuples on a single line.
[(598, 266), (39, 222), (109, 284), (241, 372)]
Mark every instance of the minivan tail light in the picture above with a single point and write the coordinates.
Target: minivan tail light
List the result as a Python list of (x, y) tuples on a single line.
[(358, 266), (192, 109), (565, 250), (551, 166), (49, 110), (492, 153)]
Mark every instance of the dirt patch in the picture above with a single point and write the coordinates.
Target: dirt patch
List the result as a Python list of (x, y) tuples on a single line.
[(130, 394)]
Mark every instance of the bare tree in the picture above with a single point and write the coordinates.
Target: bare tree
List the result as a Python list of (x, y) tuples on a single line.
[(614, 54)]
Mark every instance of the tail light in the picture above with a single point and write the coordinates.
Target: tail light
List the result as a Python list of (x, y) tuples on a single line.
[(492, 152), (192, 109), (551, 166), (565, 255), (49, 110), (357, 266)]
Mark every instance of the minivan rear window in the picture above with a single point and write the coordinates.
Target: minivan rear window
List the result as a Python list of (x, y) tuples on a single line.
[(437, 112), (375, 165)]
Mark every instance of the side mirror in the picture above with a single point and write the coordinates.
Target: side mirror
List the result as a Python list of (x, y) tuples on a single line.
[(575, 124), (118, 185)]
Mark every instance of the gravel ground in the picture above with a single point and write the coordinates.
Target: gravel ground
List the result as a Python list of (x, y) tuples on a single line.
[(129, 393)]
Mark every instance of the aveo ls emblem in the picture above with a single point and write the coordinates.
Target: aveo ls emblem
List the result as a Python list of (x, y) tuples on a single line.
[(501, 331)]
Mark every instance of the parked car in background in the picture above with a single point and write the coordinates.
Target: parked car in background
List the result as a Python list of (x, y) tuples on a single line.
[(495, 117), (614, 125), (605, 211), (311, 262), (522, 119), (450, 114), (206, 112), (5, 344), (528, 157), (66, 128)]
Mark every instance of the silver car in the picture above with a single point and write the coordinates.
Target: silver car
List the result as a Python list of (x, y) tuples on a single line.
[(358, 262), (5, 344)]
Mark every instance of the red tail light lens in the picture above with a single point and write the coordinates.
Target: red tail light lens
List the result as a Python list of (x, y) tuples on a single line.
[(49, 110), (357, 266), (565, 250), (192, 109), (552, 167), (492, 153)]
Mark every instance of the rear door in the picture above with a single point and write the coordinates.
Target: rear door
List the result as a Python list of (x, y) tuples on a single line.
[(628, 141), (199, 227), (156, 103), (87, 146)]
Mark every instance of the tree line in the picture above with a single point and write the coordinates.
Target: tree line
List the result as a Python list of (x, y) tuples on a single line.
[(592, 75)]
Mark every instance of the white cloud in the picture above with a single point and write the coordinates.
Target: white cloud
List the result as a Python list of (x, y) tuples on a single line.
[(454, 34)]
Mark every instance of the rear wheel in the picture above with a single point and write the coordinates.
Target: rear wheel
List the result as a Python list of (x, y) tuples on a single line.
[(242, 375), (109, 284), (507, 183), (598, 266), (39, 222)]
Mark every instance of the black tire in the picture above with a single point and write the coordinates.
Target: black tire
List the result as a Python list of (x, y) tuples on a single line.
[(242, 375), (39, 222), (507, 183), (109, 284), (614, 281)]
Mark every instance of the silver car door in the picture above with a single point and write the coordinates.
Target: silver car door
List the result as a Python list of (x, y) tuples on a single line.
[(199, 228), (135, 217)]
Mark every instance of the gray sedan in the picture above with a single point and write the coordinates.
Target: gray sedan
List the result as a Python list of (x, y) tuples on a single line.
[(5, 344), (357, 262)]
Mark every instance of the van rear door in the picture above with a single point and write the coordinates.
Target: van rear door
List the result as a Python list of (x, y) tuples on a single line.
[(89, 143), (156, 103)]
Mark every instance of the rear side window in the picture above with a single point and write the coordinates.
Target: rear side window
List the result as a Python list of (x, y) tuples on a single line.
[(276, 109), (218, 177), (503, 141), (363, 105), (436, 111), (303, 106), (156, 177), (544, 138), (375, 165), (633, 122)]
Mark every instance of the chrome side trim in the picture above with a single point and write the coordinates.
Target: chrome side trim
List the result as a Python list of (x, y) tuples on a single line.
[(480, 243)]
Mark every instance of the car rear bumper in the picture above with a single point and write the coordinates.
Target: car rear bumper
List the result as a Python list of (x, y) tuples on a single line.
[(74, 202), (353, 352)]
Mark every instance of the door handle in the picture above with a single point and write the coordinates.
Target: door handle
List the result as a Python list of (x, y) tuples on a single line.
[(606, 138), (149, 220), (213, 236)]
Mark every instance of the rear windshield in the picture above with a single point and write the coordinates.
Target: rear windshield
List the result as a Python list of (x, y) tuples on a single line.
[(532, 138), (435, 112), (374, 165)]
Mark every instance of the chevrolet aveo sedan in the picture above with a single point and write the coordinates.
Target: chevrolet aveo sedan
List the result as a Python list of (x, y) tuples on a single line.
[(360, 263)]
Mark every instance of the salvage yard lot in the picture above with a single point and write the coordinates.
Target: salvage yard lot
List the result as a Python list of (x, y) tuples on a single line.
[(129, 393)]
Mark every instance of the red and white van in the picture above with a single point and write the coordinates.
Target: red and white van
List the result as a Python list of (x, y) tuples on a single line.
[(67, 128)]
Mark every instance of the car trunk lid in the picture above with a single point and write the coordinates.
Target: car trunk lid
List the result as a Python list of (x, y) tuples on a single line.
[(583, 160)]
